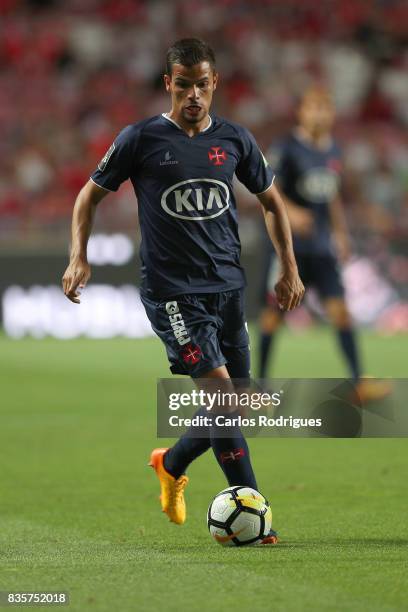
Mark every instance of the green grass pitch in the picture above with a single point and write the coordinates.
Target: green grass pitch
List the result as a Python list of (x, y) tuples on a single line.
[(79, 508)]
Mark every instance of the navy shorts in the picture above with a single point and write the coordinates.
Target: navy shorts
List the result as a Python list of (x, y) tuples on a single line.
[(322, 272), (202, 332)]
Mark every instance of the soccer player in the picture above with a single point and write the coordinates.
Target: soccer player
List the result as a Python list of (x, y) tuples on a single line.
[(181, 164), (308, 168)]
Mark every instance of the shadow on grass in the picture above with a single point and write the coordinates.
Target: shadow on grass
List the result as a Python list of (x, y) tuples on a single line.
[(362, 544), (345, 543)]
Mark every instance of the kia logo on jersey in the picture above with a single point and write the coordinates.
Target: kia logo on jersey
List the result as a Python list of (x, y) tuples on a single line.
[(197, 199)]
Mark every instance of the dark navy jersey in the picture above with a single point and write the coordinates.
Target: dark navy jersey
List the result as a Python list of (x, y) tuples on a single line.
[(187, 210), (310, 177)]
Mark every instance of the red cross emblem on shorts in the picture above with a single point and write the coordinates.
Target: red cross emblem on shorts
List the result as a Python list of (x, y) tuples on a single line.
[(217, 156), (191, 354)]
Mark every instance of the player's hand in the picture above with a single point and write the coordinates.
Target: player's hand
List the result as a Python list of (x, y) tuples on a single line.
[(76, 276), (289, 290), (301, 221)]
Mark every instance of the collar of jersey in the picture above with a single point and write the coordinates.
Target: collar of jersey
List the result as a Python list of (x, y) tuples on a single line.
[(180, 128)]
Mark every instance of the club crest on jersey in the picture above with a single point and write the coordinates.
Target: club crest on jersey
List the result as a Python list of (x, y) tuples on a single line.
[(104, 161), (197, 199), (217, 156)]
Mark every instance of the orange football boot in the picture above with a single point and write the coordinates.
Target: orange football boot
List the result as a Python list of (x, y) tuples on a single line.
[(371, 390), (271, 538), (171, 490)]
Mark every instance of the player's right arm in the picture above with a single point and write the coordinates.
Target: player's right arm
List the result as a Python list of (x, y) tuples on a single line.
[(113, 169), (78, 271)]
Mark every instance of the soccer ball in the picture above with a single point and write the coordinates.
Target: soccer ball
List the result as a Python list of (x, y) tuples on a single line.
[(239, 516)]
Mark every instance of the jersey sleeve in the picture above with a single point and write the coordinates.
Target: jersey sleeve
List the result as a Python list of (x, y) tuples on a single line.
[(119, 161), (253, 169)]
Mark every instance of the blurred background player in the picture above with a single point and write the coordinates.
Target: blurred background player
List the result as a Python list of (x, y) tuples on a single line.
[(308, 165)]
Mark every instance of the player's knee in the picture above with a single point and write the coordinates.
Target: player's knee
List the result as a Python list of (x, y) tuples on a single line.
[(339, 314), (270, 321)]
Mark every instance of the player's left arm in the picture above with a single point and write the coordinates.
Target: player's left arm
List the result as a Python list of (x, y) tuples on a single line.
[(289, 288), (339, 228)]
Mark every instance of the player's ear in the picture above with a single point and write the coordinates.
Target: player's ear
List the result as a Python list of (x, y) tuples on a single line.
[(215, 80), (167, 81)]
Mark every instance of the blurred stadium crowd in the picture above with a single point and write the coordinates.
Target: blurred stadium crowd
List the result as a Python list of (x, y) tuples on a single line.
[(74, 72)]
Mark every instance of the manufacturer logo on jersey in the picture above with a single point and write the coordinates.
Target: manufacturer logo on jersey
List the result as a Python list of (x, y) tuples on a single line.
[(177, 323), (217, 156), (197, 199), (104, 161), (168, 160), (318, 185)]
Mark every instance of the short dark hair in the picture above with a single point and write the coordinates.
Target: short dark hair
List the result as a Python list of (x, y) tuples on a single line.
[(188, 52)]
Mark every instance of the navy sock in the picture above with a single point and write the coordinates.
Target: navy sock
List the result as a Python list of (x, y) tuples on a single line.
[(349, 348), (187, 448), (232, 454), (264, 349)]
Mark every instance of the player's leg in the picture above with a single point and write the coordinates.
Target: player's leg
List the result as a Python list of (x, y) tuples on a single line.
[(232, 452), (235, 347), (269, 323), (230, 345), (228, 443), (171, 464), (205, 325), (199, 356), (339, 316), (187, 448), (270, 318), (189, 333), (366, 389), (328, 282)]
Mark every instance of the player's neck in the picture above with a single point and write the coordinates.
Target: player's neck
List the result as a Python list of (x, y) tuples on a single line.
[(192, 129), (318, 139)]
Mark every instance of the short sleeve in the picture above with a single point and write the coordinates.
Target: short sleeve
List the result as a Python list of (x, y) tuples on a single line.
[(253, 169), (119, 161)]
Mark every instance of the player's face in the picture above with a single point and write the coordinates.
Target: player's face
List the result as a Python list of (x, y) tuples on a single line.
[(191, 90), (316, 113)]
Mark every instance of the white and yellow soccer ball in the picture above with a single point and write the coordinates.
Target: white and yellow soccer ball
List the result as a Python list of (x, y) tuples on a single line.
[(239, 516)]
